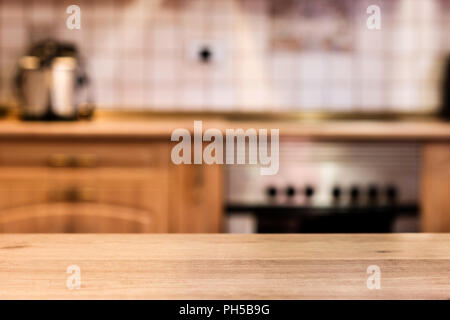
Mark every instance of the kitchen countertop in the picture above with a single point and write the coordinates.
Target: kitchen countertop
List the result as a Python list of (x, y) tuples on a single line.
[(413, 266), (148, 126)]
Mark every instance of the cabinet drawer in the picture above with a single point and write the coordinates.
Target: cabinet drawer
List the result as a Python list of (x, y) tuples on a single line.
[(83, 154), (87, 200)]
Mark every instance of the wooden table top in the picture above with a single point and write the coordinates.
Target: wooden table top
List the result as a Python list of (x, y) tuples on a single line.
[(412, 266)]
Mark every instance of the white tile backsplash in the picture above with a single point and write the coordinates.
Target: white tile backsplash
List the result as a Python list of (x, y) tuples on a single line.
[(221, 96), (372, 95), (371, 67), (144, 53), (311, 96), (313, 67), (12, 11), (341, 67), (340, 97)]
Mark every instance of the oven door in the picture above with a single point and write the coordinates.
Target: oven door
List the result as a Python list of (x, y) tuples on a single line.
[(278, 219)]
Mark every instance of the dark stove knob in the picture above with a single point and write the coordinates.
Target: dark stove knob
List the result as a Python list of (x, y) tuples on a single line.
[(354, 193), (391, 193), (373, 192), (309, 191), (290, 191), (271, 191), (336, 192)]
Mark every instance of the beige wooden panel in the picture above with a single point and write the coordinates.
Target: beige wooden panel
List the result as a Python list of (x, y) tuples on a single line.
[(321, 266), (196, 194), (83, 200), (435, 186), (82, 154)]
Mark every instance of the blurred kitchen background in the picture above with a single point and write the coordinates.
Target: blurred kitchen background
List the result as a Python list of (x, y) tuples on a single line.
[(379, 163), (243, 55)]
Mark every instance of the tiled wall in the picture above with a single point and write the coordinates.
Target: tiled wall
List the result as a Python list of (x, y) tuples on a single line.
[(266, 54)]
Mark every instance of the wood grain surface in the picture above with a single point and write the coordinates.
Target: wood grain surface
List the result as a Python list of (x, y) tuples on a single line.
[(413, 266), (162, 129)]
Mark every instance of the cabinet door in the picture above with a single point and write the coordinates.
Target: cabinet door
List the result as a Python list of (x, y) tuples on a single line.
[(436, 188), (95, 200), (24, 202), (196, 197), (196, 194), (131, 201)]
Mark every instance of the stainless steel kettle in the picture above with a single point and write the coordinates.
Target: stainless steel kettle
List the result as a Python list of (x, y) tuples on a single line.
[(51, 83)]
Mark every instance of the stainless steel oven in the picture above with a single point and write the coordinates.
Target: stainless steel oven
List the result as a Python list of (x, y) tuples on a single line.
[(328, 187)]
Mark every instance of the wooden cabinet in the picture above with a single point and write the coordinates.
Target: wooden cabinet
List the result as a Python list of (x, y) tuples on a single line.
[(83, 187), (101, 186), (196, 195), (436, 187)]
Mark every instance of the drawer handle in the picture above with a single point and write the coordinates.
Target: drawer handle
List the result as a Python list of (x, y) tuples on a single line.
[(83, 194), (74, 194), (85, 161), (66, 161), (59, 160)]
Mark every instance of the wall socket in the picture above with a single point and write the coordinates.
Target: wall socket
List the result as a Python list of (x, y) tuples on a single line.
[(205, 51)]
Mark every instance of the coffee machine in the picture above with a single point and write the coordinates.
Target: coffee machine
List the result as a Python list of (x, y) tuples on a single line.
[(51, 83)]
